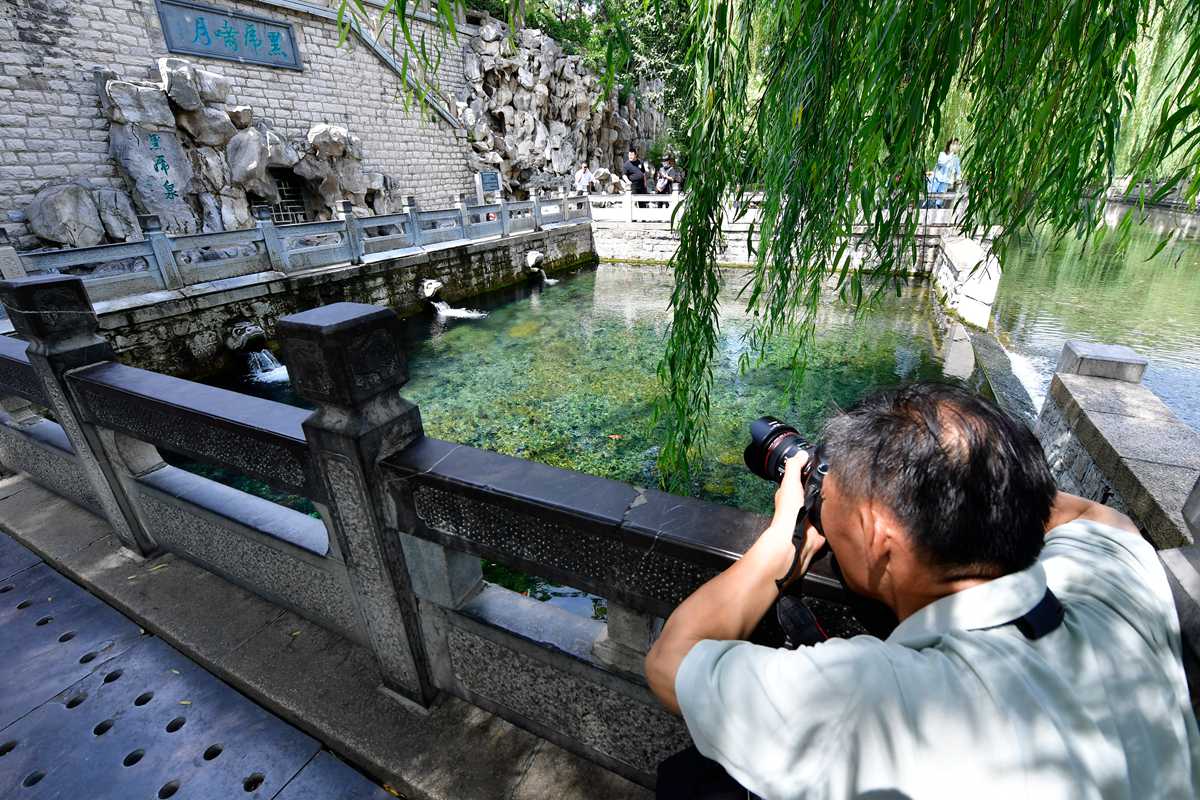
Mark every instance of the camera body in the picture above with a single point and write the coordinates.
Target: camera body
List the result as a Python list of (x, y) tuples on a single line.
[(772, 443)]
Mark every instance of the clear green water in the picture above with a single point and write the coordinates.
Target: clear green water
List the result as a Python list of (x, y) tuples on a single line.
[(565, 375), (1053, 291)]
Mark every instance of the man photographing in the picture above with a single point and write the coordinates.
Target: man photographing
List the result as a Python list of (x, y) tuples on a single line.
[(1038, 650)]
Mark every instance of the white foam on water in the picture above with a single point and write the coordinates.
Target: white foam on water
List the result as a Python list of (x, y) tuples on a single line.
[(550, 281), (444, 311), (1034, 373), (265, 367)]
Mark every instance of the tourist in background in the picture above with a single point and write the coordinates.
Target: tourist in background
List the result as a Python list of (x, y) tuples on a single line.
[(674, 174), (583, 179), (635, 173), (947, 172)]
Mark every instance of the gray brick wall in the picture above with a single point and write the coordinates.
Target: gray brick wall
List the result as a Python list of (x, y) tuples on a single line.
[(51, 128)]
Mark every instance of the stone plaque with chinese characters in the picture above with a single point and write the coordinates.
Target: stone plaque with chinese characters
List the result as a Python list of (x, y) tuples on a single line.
[(219, 33)]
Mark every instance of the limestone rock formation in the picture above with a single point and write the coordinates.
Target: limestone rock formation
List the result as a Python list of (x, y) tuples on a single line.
[(207, 125), (179, 82), (248, 154), (117, 215), (214, 87), (240, 116), (66, 213), (159, 173), (137, 104), (535, 113)]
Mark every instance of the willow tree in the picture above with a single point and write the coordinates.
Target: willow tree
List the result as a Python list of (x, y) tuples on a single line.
[(829, 110)]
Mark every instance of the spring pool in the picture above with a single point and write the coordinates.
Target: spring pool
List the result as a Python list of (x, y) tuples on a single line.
[(565, 374)]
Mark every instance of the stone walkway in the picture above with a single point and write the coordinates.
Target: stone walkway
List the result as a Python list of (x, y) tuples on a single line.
[(291, 679), (93, 706)]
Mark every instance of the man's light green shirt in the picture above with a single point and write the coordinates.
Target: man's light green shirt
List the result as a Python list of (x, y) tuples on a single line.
[(957, 704)]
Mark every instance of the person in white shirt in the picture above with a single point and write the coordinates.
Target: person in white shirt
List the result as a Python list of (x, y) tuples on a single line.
[(583, 179), (1038, 653)]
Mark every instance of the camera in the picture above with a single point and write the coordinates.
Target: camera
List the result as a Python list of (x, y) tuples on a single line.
[(772, 443)]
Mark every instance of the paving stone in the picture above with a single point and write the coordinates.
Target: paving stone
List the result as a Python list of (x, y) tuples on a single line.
[(328, 778), (15, 557), (329, 687), (554, 773), (63, 634), (148, 723), (50, 525)]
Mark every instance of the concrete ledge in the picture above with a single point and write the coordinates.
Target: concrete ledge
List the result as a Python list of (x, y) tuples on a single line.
[(1147, 455), (315, 679), (1112, 361)]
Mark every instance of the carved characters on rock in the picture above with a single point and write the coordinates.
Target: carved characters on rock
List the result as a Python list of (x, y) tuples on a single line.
[(193, 156)]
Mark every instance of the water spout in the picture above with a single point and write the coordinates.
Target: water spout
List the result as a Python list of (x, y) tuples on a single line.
[(265, 368)]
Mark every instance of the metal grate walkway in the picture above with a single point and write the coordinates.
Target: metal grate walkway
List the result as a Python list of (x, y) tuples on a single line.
[(91, 706)]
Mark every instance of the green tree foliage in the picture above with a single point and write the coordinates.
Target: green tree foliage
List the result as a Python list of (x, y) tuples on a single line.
[(831, 110)]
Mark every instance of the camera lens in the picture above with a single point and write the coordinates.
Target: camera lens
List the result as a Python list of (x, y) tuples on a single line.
[(772, 443)]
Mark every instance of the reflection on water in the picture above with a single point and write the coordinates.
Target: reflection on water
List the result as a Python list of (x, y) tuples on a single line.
[(1051, 292)]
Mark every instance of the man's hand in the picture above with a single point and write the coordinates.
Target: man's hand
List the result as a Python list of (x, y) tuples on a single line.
[(730, 605)]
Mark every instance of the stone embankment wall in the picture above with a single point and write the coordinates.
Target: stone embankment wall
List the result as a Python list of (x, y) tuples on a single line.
[(52, 128), (1110, 439), (181, 335)]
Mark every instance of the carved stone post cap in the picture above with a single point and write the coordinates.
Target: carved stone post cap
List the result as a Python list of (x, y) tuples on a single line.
[(343, 353), (262, 213), (1112, 361), (150, 222), (48, 307), (1191, 511)]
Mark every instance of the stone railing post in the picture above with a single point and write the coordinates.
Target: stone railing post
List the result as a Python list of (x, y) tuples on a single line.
[(537, 211), (354, 232), (1113, 361), (629, 206), (346, 359), (272, 241), (11, 267), (627, 639), (563, 213), (505, 220), (164, 256), (54, 315), (413, 209)]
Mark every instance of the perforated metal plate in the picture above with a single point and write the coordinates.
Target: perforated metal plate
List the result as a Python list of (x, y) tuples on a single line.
[(327, 778), (53, 634), (149, 723), (14, 558)]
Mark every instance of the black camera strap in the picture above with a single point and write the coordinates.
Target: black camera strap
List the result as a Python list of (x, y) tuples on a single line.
[(1041, 619)]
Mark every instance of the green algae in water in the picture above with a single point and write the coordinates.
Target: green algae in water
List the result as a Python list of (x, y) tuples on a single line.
[(566, 375)]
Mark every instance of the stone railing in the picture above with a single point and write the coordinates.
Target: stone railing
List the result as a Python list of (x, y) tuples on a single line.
[(392, 562), (162, 262)]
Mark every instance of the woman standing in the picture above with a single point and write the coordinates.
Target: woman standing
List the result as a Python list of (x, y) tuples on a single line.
[(947, 172)]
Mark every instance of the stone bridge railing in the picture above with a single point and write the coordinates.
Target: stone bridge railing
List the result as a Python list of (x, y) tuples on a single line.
[(161, 262), (392, 562)]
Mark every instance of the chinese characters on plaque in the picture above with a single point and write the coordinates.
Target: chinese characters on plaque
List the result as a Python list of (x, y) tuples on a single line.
[(218, 33)]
